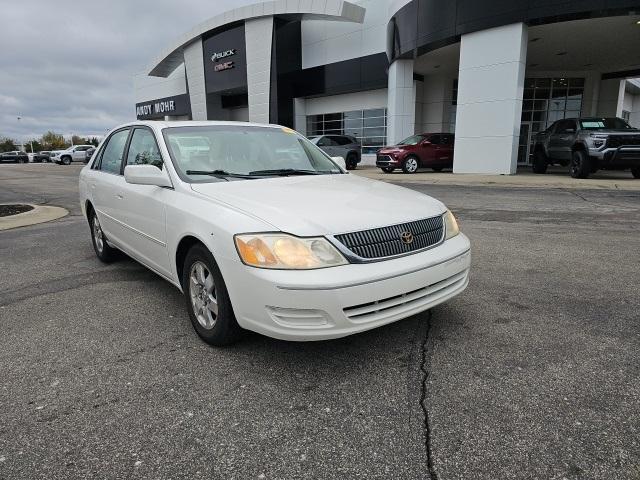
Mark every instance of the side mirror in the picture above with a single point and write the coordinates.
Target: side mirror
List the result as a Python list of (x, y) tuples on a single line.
[(340, 162), (146, 175)]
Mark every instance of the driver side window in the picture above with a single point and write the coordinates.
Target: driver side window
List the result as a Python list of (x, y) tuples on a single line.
[(143, 149)]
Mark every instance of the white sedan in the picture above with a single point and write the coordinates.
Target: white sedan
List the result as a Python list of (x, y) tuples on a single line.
[(263, 231)]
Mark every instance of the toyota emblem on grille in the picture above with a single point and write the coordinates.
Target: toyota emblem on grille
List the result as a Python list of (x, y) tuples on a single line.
[(407, 238)]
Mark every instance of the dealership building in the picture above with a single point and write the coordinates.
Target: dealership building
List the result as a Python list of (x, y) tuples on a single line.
[(494, 72)]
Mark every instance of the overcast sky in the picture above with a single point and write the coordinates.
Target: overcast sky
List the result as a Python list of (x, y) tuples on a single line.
[(68, 66)]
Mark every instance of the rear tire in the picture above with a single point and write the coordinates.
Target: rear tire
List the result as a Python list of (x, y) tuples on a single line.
[(207, 299), (104, 252), (540, 162), (410, 164), (580, 164), (635, 171), (352, 161)]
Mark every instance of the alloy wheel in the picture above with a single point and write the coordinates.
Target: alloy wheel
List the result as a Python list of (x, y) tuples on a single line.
[(411, 165), (97, 234), (202, 292)]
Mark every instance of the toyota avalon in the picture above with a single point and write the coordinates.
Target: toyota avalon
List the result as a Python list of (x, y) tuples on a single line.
[(261, 230)]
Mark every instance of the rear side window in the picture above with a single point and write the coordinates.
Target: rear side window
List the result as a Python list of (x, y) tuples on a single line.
[(436, 139), (143, 149), (343, 140), (113, 152), (326, 142)]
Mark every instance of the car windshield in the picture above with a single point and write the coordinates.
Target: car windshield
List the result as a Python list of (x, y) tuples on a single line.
[(413, 140), (216, 152), (604, 124)]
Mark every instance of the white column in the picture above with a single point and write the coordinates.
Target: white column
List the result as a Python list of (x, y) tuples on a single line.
[(300, 115), (259, 35), (436, 104), (194, 68), (611, 97), (490, 89), (401, 101)]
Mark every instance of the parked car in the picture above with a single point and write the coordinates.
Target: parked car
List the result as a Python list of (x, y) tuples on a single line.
[(344, 146), (431, 150), (14, 156), (266, 232), (76, 153), (588, 145), (42, 156)]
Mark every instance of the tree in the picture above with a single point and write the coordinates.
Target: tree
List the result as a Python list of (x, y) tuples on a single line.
[(7, 144), (53, 141), (35, 143), (94, 141)]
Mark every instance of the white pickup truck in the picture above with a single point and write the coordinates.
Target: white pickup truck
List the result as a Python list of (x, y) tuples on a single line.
[(76, 153)]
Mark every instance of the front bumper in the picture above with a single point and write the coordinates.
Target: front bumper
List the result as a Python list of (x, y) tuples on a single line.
[(621, 157), (340, 301), (386, 160)]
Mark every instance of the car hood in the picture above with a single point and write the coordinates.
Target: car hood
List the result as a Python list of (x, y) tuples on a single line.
[(395, 148), (323, 204)]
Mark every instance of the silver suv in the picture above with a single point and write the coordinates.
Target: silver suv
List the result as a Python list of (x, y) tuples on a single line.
[(588, 145), (77, 153), (344, 146)]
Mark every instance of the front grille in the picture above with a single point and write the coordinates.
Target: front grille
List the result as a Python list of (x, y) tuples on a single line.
[(383, 159), (615, 141), (387, 241)]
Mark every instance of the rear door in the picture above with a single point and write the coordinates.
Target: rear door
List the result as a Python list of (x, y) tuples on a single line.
[(106, 184), (142, 207)]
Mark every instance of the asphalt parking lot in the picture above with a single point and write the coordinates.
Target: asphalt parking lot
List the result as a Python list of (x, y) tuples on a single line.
[(533, 372)]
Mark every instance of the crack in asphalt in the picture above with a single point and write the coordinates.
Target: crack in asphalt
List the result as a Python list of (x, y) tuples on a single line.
[(423, 399)]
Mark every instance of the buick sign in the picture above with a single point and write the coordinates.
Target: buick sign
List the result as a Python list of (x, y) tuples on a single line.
[(219, 55)]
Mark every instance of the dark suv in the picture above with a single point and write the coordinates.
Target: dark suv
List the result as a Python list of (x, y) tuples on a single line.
[(587, 145), (432, 150), (14, 157), (344, 146)]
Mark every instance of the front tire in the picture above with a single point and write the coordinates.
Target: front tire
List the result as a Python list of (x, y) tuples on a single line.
[(540, 163), (635, 171), (410, 165), (104, 252), (580, 164), (207, 299), (66, 161)]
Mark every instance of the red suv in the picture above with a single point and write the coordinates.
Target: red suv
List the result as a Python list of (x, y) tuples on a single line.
[(432, 150)]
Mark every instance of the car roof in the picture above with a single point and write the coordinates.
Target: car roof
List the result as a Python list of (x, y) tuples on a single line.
[(160, 124)]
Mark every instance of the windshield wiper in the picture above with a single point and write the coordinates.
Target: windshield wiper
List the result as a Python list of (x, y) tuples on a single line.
[(217, 173), (284, 172)]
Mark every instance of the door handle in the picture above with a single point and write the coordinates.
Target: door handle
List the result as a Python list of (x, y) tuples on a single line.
[(119, 196)]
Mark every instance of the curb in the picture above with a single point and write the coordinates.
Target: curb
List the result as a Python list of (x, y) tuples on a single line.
[(39, 214), (506, 181)]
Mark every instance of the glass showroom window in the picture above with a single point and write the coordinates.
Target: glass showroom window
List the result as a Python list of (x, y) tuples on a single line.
[(545, 101), (368, 126)]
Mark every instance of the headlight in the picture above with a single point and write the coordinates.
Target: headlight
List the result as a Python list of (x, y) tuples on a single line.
[(450, 225), (282, 251)]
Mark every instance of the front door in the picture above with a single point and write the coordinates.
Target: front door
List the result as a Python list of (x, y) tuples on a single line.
[(143, 209)]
